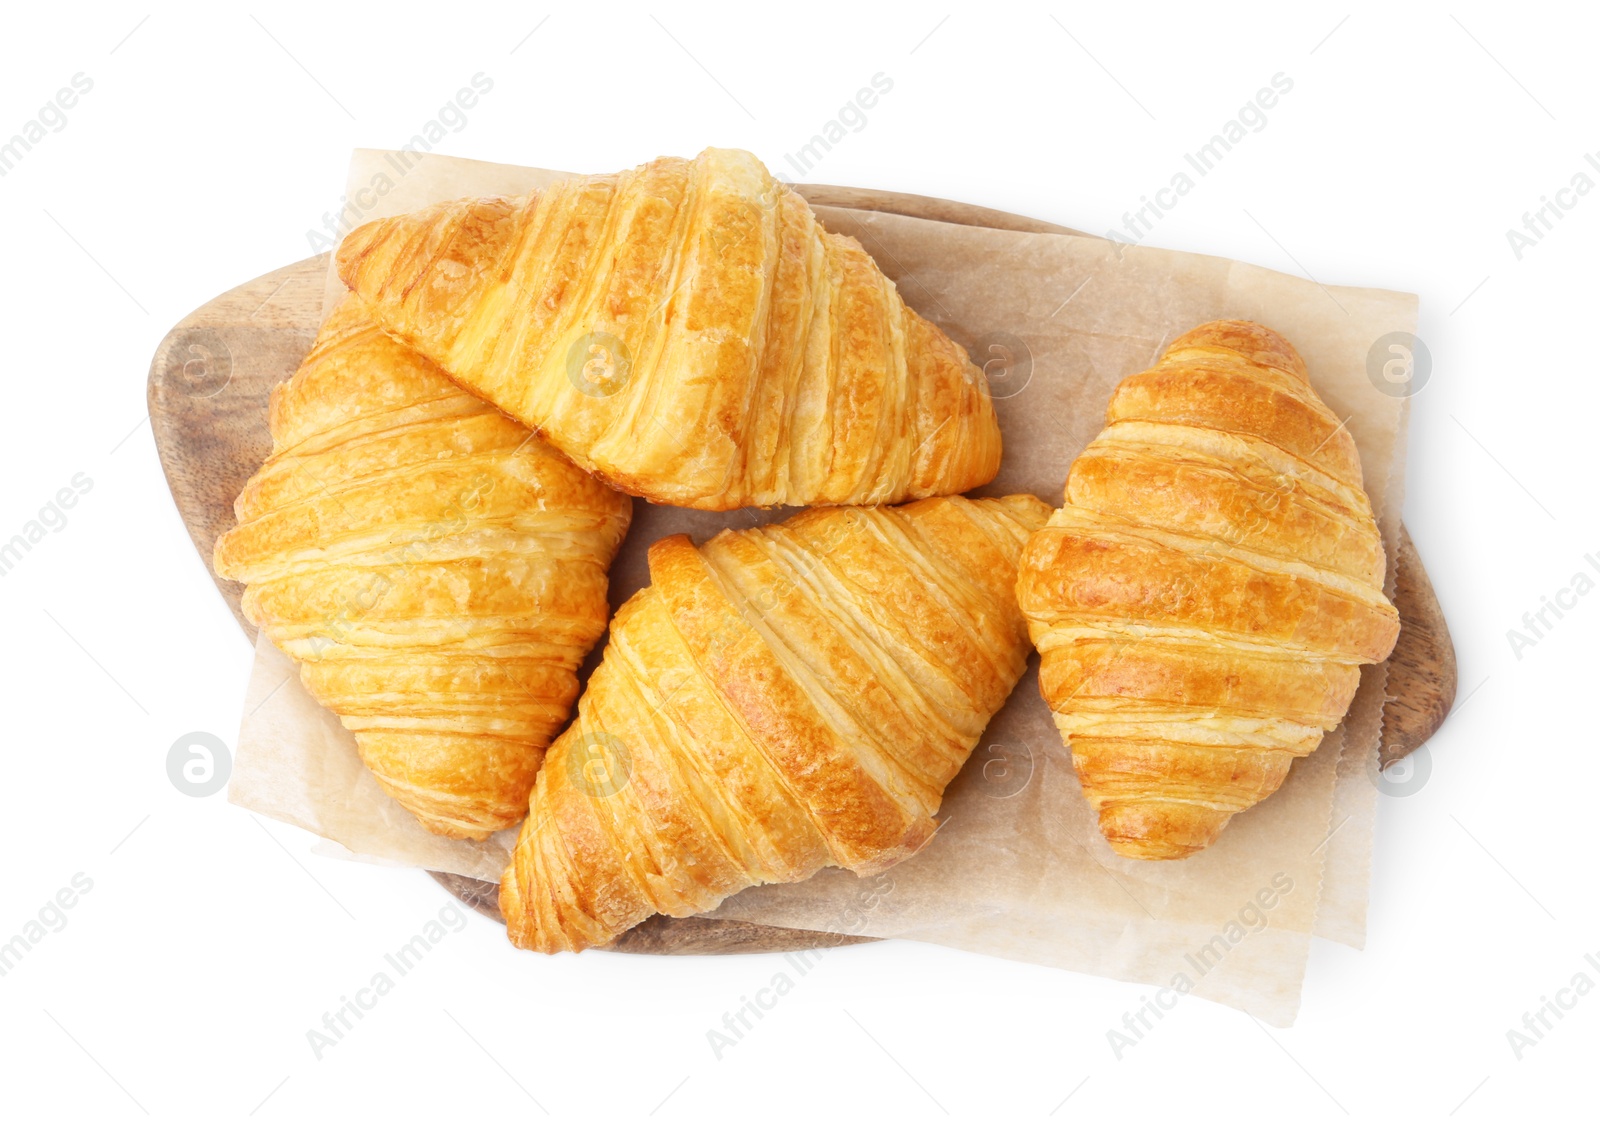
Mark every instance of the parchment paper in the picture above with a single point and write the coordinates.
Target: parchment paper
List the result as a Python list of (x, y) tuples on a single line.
[(1018, 868)]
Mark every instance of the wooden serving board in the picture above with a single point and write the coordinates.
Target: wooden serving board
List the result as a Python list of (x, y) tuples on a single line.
[(208, 390)]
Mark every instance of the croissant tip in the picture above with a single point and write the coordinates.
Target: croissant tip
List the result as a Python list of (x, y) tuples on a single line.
[(353, 250), (453, 830), (1261, 344), (1153, 851), (1160, 832)]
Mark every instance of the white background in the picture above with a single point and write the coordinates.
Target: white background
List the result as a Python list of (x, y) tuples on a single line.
[(183, 984)]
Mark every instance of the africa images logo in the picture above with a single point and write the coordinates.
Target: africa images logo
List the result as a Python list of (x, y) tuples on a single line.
[(51, 118), (1538, 624), (355, 207)]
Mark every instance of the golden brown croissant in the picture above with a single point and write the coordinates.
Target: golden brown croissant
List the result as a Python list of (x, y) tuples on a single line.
[(439, 572), (1204, 600), (776, 701), (689, 333)]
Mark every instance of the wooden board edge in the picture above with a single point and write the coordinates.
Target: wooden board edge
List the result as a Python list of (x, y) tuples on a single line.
[(1424, 655), (668, 936)]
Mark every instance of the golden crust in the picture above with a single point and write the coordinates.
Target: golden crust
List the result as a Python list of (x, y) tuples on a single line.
[(438, 572), (1203, 601), (776, 701), (689, 333)]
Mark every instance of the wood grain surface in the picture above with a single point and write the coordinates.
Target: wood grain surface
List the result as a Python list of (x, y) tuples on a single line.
[(1423, 657), (208, 389)]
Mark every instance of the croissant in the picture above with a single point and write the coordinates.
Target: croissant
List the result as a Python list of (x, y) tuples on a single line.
[(438, 572), (1204, 600), (687, 332), (776, 701)]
